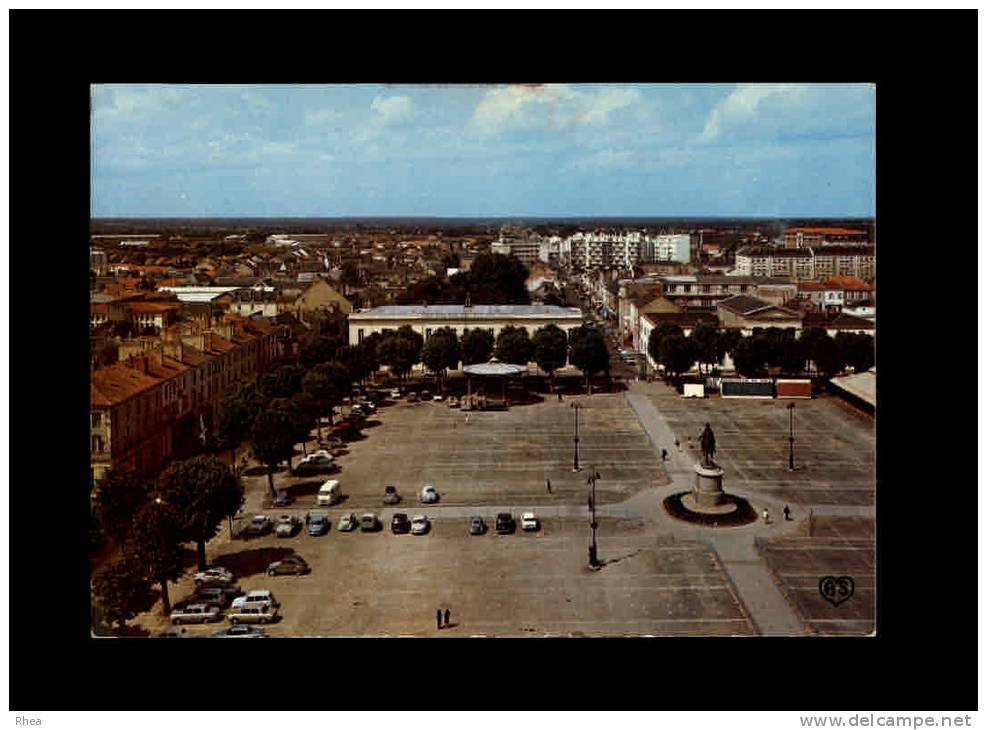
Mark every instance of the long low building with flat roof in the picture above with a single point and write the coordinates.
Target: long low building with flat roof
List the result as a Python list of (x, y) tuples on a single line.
[(425, 319)]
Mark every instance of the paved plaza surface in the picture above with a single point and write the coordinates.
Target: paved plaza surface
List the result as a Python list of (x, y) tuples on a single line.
[(659, 576)]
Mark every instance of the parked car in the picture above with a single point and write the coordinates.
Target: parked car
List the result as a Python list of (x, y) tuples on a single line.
[(283, 498), (437, 398), (347, 523), (369, 522), (195, 613), (391, 495), (289, 565), (419, 525), (260, 525), (453, 402), (217, 595), (262, 596), (240, 631), (529, 522), (318, 524), (357, 410), (429, 495), (505, 523), (260, 613), (320, 462), (329, 493), (400, 524), (477, 526), (395, 394), (214, 574), (288, 526), (412, 398)]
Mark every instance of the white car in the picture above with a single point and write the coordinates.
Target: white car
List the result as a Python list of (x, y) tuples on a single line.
[(395, 394), (347, 523), (529, 521), (419, 525), (254, 598), (214, 575), (288, 525), (429, 495), (196, 613)]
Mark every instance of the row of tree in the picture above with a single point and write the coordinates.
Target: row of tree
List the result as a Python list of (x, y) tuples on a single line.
[(492, 278), (767, 349), (187, 503)]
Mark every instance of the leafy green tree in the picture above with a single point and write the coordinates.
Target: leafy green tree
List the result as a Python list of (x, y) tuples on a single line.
[(514, 346), (588, 352), (750, 356), (202, 491), (498, 279), (155, 544), (274, 435), (676, 354), (551, 347), (705, 341), (327, 384), (810, 337), (398, 353), (476, 346), (119, 497), (790, 356), (284, 382), (728, 341), (231, 424), (857, 349), (658, 334), (441, 352), (318, 349), (828, 357), (120, 589), (417, 341)]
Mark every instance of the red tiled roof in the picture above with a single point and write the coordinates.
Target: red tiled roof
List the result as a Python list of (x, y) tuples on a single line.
[(117, 382), (153, 307), (830, 231)]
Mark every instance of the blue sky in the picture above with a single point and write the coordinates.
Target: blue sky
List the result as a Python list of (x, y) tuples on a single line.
[(556, 150)]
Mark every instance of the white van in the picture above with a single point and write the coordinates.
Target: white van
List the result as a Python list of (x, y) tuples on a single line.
[(329, 493)]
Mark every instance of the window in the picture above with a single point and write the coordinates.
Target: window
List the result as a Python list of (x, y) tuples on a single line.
[(97, 444), (97, 418)]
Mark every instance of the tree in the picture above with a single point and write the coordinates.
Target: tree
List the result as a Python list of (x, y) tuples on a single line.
[(273, 435), (750, 356), (353, 358), (351, 275), (551, 347), (203, 492), (728, 341), (120, 589), (317, 349), (441, 352), (119, 496), (828, 357), (498, 279), (327, 384), (154, 543), (230, 424), (705, 342), (658, 334), (676, 354), (790, 356), (810, 337), (588, 352), (857, 349), (514, 345), (398, 353), (417, 341), (476, 346), (284, 382)]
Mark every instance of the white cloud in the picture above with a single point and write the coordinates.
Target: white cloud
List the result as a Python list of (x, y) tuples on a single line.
[(122, 103), (741, 106), (321, 117), (392, 109), (554, 106)]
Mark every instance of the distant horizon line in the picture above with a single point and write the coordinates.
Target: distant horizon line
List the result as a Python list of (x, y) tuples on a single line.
[(485, 217)]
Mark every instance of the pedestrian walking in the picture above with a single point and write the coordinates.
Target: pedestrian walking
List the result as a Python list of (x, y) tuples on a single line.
[(664, 455), (308, 518), (438, 618), (560, 396), (548, 485), (467, 418), (677, 445), (447, 617), (765, 515), (788, 513)]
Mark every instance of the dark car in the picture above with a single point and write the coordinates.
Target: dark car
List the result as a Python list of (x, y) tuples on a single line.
[(400, 524), (289, 565), (318, 525), (477, 526), (260, 525), (283, 498), (505, 523), (217, 595), (391, 495), (240, 631)]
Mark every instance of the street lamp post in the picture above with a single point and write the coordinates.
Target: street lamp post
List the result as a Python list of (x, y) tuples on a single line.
[(594, 475), (791, 437), (575, 439)]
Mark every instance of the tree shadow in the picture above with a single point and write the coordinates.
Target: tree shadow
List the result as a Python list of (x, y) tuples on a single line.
[(373, 423), (252, 561), (260, 471)]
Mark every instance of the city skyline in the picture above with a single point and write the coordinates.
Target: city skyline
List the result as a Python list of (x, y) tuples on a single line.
[(553, 151)]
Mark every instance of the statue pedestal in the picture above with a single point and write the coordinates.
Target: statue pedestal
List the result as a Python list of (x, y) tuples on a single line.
[(708, 496)]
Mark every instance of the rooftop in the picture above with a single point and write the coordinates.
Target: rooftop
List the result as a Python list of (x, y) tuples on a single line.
[(457, 311)]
